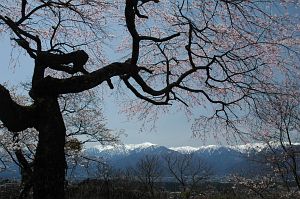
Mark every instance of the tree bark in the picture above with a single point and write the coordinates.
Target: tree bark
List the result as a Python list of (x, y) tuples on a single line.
[(50, 162)]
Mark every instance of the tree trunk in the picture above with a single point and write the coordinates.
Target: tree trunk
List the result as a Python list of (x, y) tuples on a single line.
[(50, 163)]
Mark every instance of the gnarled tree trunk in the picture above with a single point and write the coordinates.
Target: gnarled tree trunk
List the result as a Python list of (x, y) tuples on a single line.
[(50, 163)]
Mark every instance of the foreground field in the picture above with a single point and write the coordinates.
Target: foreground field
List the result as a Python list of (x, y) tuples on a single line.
[(99, 189)]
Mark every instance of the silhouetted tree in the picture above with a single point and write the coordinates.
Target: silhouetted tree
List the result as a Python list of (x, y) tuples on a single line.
[(189, 171), (83, 117), (193, 52), (148, 172)]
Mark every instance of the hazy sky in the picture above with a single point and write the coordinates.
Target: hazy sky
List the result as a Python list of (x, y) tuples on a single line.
[(172, 129)]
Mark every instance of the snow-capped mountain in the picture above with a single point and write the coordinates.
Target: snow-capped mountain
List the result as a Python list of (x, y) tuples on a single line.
[(223, 160), (123, 156), (120, 149), (185, 149), (123, 149), (243, 148), (128, 148), (113, 151)]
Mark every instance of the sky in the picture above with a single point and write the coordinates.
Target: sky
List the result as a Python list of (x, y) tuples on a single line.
[(172, 129)]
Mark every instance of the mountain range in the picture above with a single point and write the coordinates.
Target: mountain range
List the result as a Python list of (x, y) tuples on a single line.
[(222, 160)]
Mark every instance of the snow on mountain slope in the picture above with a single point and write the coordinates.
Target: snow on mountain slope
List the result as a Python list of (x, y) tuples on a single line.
[(258, 147), (128, 148), (147, 147), (125, 147), (185, 149), (144, 145), (119, 149), (244, 148)]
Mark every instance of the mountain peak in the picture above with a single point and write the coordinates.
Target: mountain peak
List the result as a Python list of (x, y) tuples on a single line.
[(123, 147), (242, 148), (185, 149), (142, 145)]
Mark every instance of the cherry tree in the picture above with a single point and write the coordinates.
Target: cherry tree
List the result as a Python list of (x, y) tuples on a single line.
[(221, 53), (276, 123), (84, 124), (265, 186)]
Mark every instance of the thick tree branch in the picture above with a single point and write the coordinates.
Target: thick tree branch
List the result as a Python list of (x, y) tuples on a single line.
[(130, 22), (23, 8), (168, 88), (130, 12), (154, 39), (15, 117), (60, 62), (54, 86)]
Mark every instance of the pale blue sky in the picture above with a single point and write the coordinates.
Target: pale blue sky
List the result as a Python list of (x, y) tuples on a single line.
[(172, 129)]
